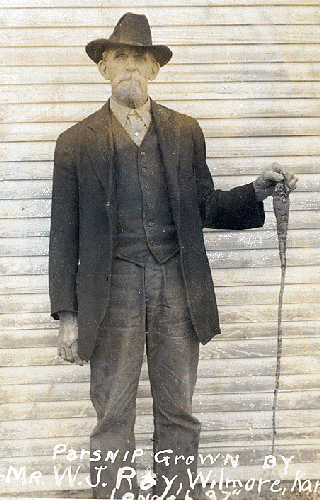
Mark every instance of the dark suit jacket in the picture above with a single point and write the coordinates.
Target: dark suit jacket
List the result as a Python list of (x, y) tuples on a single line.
[(83, 218)]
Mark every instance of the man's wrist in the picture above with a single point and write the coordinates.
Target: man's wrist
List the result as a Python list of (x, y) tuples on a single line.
[(67, 315), (261, 193)]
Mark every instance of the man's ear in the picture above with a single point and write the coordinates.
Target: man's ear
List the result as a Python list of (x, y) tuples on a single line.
[(154, 71), (103, 69)]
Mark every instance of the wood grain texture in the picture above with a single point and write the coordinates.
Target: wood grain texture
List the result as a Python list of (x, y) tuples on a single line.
[(169, 35), (34, 188), (173, 73), (11, 94), (252, 166), (218, 148), (215, 241), (205, 403), (219, 386), (147, 3), (40, 337), (250, 260), (25, 227), (183, 54), (248, 108), (234, 127), (179, 16), (61, 372), (237, 420), (242, 350)]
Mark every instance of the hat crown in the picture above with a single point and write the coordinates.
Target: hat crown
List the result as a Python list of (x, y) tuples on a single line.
[(132, 29)]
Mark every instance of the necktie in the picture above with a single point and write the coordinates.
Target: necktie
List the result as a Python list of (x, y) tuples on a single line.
[(135, 126)]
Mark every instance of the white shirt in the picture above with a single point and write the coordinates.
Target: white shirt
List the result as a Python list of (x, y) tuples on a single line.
[(135, 121)]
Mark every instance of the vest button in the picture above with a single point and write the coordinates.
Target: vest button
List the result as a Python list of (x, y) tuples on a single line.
[(144, 170), (142, 153), (151, 224)]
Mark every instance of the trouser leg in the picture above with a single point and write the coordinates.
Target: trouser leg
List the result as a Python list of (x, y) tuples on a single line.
[(115, 369), (173, 352)]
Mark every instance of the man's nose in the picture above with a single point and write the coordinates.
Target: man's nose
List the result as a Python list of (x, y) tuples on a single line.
[(131, 63)]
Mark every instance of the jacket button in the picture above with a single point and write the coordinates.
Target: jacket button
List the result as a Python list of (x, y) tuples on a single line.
[(142, 153), (108, 204)]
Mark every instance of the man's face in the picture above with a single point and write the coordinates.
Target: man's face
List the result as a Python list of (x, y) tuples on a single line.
[(129, 69)]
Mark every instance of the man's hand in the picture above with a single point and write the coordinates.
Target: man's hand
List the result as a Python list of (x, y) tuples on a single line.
[(265, 184), (68, 337)]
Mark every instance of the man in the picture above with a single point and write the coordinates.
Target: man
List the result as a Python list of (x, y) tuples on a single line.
[(128, 268)]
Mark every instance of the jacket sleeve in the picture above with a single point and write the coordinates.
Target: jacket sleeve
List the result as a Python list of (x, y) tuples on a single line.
[(64, 241), (233, 209)]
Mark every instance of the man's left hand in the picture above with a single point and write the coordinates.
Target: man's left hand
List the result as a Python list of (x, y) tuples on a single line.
[(265, 184)]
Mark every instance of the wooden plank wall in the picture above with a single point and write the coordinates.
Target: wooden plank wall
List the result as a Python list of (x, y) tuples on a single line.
[(249, 71)]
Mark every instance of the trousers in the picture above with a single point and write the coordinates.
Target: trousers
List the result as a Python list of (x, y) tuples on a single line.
[(148, 309)]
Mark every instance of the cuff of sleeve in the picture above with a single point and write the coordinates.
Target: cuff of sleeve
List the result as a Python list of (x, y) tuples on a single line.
[(55, 315)]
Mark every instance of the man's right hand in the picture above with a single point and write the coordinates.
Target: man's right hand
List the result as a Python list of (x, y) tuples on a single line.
[(68, 337)]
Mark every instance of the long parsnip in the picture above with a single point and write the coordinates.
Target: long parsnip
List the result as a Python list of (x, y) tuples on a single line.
[(281, 210)]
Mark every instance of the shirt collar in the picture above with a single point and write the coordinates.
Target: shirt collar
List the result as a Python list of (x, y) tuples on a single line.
[(121, 111)]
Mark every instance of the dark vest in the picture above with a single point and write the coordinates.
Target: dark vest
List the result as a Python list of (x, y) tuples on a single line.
[(144, 217)]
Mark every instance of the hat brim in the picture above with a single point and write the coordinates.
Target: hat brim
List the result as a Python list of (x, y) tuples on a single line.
[(95, 49)]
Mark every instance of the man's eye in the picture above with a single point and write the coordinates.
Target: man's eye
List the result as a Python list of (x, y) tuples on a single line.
[(121, 55), (140, 57)]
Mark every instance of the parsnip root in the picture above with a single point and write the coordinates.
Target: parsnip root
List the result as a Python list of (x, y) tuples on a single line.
[(281, 210)]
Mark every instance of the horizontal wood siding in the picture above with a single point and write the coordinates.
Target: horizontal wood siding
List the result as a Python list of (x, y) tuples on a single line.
[(249, 71)]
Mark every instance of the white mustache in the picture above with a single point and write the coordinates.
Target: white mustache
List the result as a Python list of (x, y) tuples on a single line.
[(129, 76)]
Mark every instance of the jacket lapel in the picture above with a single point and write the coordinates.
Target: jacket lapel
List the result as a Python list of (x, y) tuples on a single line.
[(168, 132), (100, 145)]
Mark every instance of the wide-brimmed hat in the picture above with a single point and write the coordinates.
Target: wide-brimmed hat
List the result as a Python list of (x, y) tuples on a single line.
[(132, 30)]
